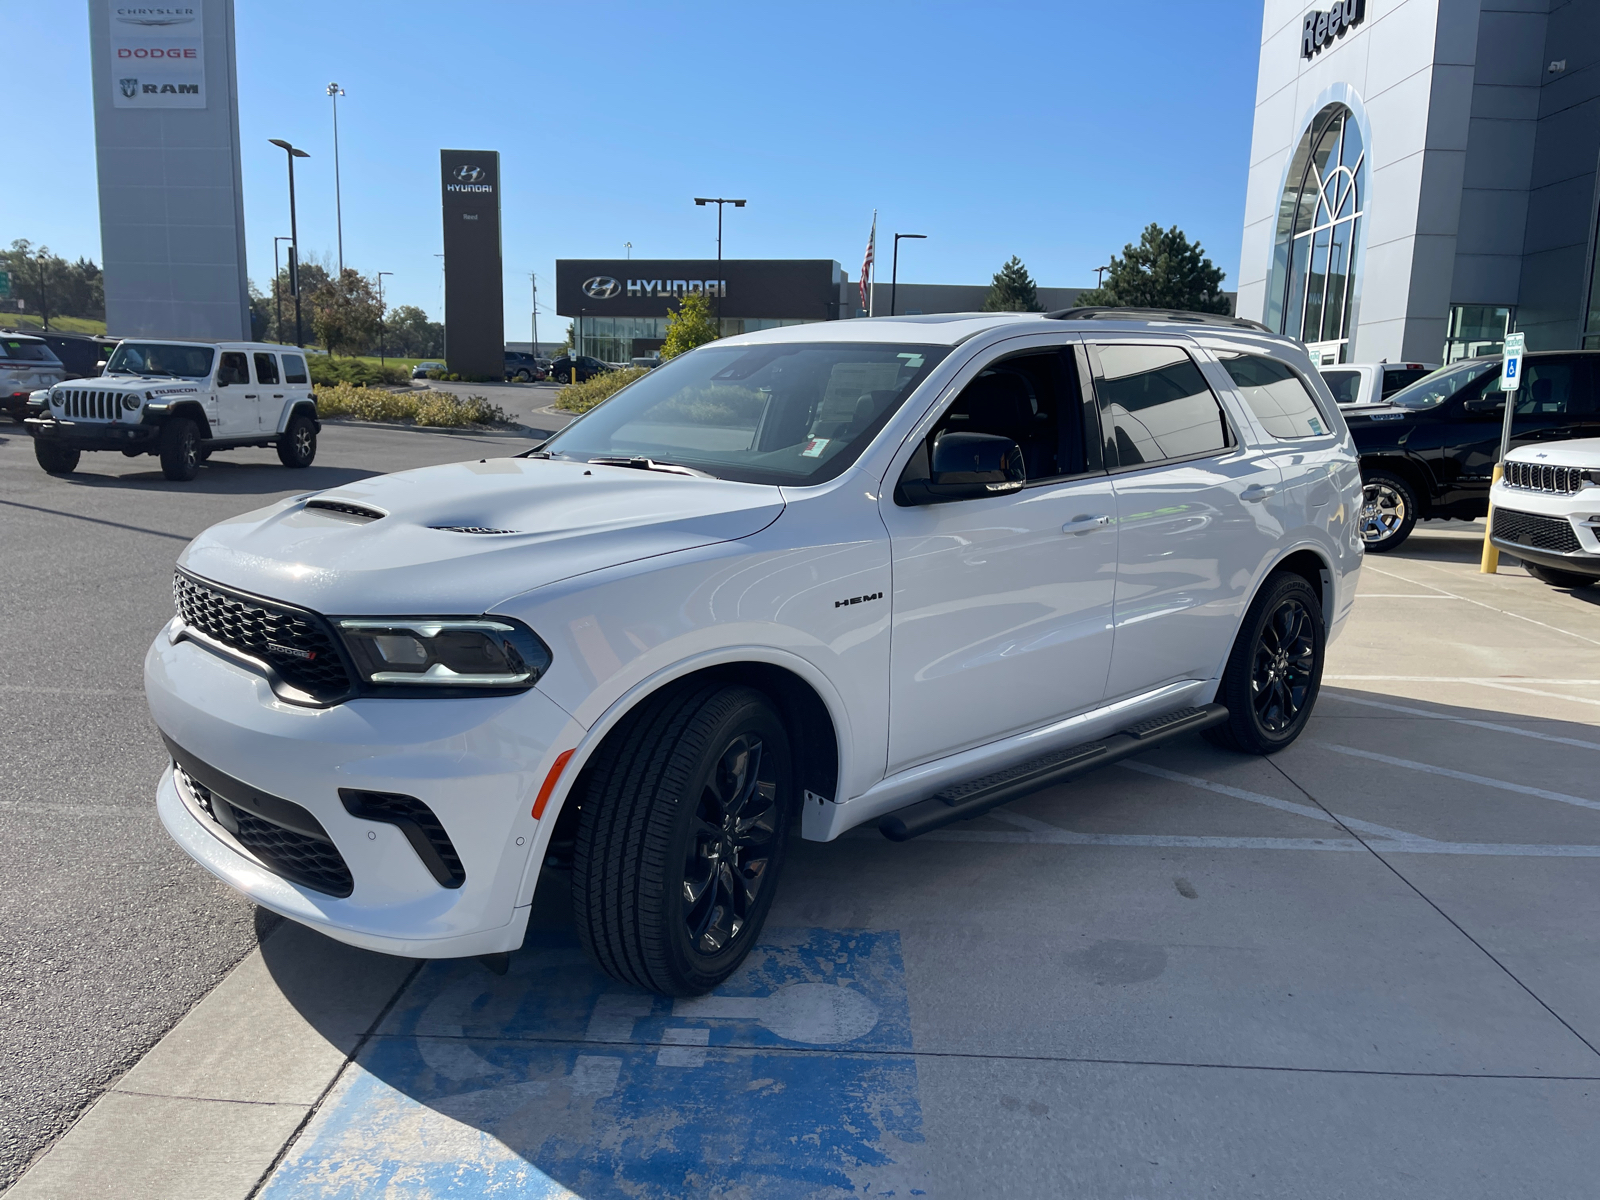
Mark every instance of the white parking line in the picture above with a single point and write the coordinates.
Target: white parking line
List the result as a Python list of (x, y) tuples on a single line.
[(1488, 683), (1422, 712), (1503, 612), (1465, 776), (1403, 596)]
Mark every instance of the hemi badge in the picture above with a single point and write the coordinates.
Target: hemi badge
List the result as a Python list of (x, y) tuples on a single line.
[(308, 655), (858, 599)]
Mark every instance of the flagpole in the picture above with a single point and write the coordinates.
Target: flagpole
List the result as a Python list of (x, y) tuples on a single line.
[(872, 287)]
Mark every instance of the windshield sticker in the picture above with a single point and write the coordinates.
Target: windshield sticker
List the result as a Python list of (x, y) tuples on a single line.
[(815, 448)]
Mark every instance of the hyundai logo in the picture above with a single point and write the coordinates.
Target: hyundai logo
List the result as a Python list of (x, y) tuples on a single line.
[(466, 174), (601, 287)]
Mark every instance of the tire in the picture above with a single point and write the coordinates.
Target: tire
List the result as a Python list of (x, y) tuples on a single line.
[(1559, 578), (1388, 511), (180, 449), (1274, 672), (297, 445), (58, 460), (523, 377), (654, 899)]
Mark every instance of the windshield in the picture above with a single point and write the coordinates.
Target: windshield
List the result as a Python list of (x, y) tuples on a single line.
[(794, 414), (1441, 385), (1345, 385), (150, 358), (20, 350)]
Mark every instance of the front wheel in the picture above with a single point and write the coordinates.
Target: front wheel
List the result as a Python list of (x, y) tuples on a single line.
[(681, 836), (57, 459), (297, 445), (1388, 511), (1275, 670), (1558, 578), (180, 449)]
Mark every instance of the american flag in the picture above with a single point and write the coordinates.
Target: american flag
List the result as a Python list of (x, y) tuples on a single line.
[(866, 263)]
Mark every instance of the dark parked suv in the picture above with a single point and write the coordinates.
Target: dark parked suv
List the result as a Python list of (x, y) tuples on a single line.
[(522, 368), (561, 368), (1430, 451)]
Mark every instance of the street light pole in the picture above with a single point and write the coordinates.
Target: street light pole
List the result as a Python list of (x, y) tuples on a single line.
[(382, 328), (719, 201), (1099, 275), (44, 290), (293, 152), (277, 292), (334, 92), (534, 279), (894, 266)]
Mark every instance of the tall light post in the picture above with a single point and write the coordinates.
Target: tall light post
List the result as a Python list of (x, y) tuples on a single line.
[(381, 326), (334, 92), (719, 201), (628, 246), (1099, 275), (41, 263), (277, 292), (534, 280), (293, 153), (894, 266)]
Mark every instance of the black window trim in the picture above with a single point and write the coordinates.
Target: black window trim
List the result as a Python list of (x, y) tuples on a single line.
[(1235, 446)]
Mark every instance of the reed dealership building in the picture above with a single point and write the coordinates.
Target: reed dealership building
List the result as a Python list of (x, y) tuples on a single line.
[(1422, 177)]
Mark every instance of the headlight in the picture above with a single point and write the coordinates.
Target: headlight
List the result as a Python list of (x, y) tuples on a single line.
[(445, 652), (130, 402)]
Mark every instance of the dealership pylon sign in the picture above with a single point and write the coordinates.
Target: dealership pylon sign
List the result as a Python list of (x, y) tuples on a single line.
[(157, 56)]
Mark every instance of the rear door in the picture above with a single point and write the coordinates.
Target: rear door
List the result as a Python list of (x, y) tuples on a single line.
[(269, 386), (1195, 528), (237, 396), (296, 383)]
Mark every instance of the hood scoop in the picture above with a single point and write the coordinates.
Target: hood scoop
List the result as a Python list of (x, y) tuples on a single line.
[(344, 508), (471, 529)]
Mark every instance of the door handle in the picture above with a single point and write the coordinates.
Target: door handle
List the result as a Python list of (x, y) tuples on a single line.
[(251, 396), (1257, 491), (277, 395), (1085, 524)]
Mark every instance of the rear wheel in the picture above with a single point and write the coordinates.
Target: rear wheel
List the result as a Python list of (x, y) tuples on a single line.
[(180, 449), (1275, 671), (57, 459), (1559, 578), (681, 837), (297, 445), (1388, 510)]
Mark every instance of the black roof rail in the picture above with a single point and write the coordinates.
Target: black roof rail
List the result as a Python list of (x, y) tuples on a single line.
[(1145, 314)]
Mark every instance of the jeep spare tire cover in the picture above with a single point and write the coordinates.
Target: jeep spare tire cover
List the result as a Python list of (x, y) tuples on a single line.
[(532, 522)]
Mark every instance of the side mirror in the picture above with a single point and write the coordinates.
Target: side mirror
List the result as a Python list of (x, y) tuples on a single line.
[(100, 367), (1492, 403), (963, 466)]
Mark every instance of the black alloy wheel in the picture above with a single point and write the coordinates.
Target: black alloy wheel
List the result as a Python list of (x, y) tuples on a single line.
[(1388, 511), (1275, 670), (297, 445), (682, 828), (180, 449)]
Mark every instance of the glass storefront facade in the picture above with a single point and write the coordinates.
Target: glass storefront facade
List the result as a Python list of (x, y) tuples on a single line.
[(1476, 329), (1312, 288), (619, 339)]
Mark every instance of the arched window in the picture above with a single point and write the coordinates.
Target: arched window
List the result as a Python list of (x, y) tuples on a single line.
[(1312, 289)]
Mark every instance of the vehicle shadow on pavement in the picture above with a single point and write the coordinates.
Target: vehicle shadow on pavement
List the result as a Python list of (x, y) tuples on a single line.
[(228, 479), (799, 1077), (1448, 541)]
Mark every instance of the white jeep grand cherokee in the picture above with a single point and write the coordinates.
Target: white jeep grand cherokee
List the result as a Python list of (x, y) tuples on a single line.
[(896, 570), (180, 401), (1546, 511)]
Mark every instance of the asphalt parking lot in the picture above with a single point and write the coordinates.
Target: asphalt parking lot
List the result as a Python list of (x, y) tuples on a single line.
[(1365, 967)]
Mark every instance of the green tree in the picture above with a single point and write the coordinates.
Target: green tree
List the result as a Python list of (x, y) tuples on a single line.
[(345, 313), (1012, 290), (692, 325), (46, 282), (1165, 270), (409, 334)]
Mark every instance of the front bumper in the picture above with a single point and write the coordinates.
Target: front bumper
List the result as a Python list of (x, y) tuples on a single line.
[(1563, 533), (94, 435), (477, 763)]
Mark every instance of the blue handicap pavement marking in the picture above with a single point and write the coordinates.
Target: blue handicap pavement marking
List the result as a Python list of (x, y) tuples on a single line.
[(793, 1079)]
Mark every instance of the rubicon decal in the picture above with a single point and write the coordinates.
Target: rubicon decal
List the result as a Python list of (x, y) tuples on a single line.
[(858, 599)]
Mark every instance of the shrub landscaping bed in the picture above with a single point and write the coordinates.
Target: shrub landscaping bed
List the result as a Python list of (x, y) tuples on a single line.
[(581, 397), (436, 409)]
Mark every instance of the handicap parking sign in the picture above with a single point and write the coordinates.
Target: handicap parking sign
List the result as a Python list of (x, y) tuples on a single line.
[(793, 1079)]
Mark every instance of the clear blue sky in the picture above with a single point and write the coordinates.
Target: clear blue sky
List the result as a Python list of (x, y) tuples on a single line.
[(1052, 131)]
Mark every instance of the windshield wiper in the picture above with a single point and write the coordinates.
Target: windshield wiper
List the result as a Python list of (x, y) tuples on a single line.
[(640, 463)]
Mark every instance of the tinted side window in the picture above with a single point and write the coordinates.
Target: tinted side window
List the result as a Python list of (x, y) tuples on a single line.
[(266, 368), (1278, 397), (1553, 387), (234, 368), (1031, 399), (294, 369), (1393, 381), (1345, 385), (1155, 405)]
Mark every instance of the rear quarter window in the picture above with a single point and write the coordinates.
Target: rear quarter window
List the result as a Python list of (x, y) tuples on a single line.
[(21, 350), (1277, 395), (1345, 385), (294, 369)]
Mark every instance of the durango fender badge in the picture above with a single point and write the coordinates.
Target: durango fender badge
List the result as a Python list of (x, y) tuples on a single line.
[(291, 651), (858, 599)]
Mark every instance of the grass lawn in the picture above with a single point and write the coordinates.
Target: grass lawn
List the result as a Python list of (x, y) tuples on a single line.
[(20, 321)]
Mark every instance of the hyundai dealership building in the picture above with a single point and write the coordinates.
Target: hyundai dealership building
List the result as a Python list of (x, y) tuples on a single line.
[(1422, 177)]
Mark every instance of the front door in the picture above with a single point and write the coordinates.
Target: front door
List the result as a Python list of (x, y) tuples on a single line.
[(1194, 524), (1002, 605)]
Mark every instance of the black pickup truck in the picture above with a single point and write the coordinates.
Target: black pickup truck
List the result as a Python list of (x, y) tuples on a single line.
[(1430, 450)]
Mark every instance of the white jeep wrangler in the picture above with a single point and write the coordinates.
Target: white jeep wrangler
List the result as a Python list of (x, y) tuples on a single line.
[(181, 401), (892, 571)]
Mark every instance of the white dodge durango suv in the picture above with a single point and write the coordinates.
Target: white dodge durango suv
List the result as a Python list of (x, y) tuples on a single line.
[(891, 570)]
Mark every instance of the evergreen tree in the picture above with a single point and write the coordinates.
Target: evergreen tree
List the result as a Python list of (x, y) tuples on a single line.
[(1165, 270), (1012, 290), (692, 325)]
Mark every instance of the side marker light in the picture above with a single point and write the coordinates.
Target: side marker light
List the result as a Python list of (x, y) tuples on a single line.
[(550, 782)]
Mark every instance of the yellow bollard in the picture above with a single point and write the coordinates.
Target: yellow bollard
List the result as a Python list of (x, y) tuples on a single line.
[(575, 380), (1491, 556)]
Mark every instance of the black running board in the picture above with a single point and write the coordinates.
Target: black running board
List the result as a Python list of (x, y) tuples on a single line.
[(978, 796)]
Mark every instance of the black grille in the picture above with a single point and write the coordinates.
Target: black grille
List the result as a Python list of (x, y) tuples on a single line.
[(1539, 478), (300, 858), (416, 820), (94, 405), (296, 643), (1535, 531)]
